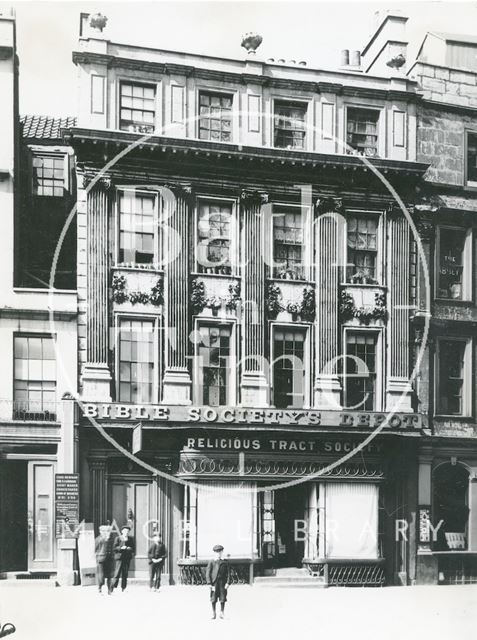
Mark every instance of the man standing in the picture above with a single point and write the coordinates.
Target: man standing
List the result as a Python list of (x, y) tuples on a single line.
[(123, 552), (156, 555), (218, 577), (103, 548)]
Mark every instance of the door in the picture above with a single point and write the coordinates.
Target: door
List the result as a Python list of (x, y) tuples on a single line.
[(130, 503), (13, 515), (41, 529), (289, 525)]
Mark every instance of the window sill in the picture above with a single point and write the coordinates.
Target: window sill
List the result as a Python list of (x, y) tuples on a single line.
[(44, 290), (225, 276), (290, 281), (152, 269), (460, 418), (454, 301), (364, 286)]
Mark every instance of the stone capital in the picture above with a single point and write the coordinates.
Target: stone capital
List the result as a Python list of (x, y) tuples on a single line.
[(104, 183), (329, 204), (253, 198), (181, 190)]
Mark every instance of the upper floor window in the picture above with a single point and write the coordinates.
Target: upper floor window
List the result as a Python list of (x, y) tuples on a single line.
[(138, 228), (290, 125), (137, 360), (288, 244), (214, 374), (137, 104), (454, 264), (362, 246), (360, 370), (35, 377), (453, 372), (288, 367), (215, 117), (49, 175), (362, 130), (214, 237), (471, 165)]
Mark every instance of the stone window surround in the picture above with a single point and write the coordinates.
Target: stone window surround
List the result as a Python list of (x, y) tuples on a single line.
[(307, 364), (467, 392), (234, 230), (380, 376), (158, 350), (308, 234)]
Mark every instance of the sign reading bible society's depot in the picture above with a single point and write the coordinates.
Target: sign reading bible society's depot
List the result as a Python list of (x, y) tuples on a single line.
[(245, 416)]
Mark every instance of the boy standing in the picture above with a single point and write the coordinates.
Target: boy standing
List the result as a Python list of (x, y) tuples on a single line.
[(218, 577)]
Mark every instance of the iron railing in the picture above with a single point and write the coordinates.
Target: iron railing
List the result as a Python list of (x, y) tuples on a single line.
[(24, 411)]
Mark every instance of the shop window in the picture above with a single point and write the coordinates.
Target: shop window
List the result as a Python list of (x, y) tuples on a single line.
[(35, 378), (288, 367), (137, 360), (137, 107), (451, 506), (215, 117), (471, 167), (360, 370), (288, 245), (49, 174), (454, 264), (351, 520), (290, 125), (362, 244), (454, 371), (362, 130), (138, 228), (214, 226), (214, 364)]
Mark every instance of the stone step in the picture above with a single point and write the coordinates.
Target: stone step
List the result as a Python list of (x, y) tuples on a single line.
[(295, 584)]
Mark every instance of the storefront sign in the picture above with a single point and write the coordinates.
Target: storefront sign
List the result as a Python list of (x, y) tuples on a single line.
[(424, 528), (245, 416), (66, 504), (276, 445)]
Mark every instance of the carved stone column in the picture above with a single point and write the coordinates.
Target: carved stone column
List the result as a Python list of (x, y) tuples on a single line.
[(254, 383), (398, 388), (98, 491), (96, 379), (328, 242), (177, 380)]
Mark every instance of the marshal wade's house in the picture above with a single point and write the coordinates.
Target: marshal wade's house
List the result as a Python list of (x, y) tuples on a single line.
[(175, 327), (251, 306)]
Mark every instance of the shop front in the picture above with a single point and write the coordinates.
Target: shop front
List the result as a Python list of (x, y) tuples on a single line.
[(276, 495)]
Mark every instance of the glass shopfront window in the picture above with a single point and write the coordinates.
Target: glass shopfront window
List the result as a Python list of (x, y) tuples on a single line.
[(451, 507), (454, 264)]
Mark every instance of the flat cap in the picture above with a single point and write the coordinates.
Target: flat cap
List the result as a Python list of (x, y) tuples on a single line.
[(218, 547)]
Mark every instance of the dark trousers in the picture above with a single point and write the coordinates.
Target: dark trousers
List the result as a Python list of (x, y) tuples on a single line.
[(219, 593), (155, 570), (104, 573), (121, 572)]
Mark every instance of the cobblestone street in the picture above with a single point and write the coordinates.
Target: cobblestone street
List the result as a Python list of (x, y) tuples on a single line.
[(183, 612)]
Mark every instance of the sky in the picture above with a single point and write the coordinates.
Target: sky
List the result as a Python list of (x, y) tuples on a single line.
[(47, 33)]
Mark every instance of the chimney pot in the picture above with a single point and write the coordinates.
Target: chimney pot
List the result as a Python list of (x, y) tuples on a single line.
[(344, 57), (355, 59)]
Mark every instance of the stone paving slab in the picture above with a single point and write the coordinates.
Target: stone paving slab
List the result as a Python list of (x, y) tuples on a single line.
[(392, 613)]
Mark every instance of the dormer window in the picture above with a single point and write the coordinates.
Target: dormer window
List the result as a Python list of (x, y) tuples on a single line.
[(290, 126), (49, 174), (137, 107), (362, 130)]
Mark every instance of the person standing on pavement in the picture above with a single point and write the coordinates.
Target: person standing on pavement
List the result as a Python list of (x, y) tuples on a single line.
[(123, 552), (103, 548), (218, 577), (156, 555)]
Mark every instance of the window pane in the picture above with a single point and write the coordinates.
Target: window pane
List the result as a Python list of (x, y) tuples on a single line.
[(451, 354), (216, 116), (359, 381), (288, 245), (288, 368), (362, 128), (136, 361), (289, 125), (214, 237), (214, 351), (137, 228), (35, 376), (451, 263), (141, 98)]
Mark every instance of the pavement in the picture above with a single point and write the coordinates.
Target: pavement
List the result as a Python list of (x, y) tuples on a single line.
[(252, 613)]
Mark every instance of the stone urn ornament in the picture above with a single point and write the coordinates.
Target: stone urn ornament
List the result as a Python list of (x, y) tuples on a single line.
[(251, 41), (397, 62), (98, 21)]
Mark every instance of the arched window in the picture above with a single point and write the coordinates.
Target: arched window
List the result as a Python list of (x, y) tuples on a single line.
[(451, 505)]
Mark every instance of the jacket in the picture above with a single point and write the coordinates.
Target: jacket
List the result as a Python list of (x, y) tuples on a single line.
[(103, 549), (218, 571), (123, 554), (156, 551)]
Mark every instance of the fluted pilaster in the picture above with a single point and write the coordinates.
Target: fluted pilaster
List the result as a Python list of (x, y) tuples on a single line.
[(96, 374), (98, 491), (398, 391), (328, 241), (177, 381), (254, 383)]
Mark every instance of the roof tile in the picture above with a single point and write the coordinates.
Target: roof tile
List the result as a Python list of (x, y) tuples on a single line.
[(44, 127)]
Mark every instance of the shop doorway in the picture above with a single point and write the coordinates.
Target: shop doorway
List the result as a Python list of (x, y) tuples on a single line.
[(14, 515), (289, 507), (131, 504)]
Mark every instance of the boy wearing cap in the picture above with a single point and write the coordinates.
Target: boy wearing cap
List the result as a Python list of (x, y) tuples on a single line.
[(123, 552), (218, 577), (103, 548)]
